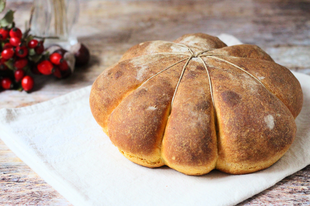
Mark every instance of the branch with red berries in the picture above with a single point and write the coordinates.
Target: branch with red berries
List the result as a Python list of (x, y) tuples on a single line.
[(24, 55)]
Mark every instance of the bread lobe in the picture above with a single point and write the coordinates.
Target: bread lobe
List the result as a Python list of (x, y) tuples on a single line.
[(143, 122), (189, 144), (255, 127)]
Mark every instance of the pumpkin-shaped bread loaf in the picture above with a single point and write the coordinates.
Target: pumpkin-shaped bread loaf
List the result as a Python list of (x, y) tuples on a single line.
[(197, 105)]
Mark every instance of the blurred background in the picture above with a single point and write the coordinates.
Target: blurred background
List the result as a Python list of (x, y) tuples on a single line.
[(109, 28)]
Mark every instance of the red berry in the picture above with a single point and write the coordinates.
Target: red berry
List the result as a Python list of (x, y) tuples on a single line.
[(63, 66), (39, 49), (6, 83), (27, 83), (56, 58), (14, 41), (61, 74), (57, 73), (32, 43), (3, 34), (16, 32), (81, 54), (19, 74), (7, 45), (7, 53), (45, 67), (21, 51), (20, 63)]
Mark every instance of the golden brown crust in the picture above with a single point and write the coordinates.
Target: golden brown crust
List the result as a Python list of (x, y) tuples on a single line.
[(276, 78), (189, 144), (243, 50), (200, 42), (154, 47), (255, 127), (143, 122), (115, 83), (249, 128)]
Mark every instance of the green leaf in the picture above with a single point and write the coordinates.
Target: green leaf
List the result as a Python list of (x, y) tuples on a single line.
[(7, 19), (35, 58), (26, 68), (2, 5), (46, 55), (31, 52), (20, 88), (28, 38), (10, 64)]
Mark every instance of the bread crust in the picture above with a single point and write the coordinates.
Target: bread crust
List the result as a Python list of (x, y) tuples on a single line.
[(240, 122)]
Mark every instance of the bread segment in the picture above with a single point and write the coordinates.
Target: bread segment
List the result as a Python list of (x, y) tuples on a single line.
[(255, 127), (200, 42), (115, 83), (243, 50), (276, 78), (155, 47), (190, 144), (137, 127)]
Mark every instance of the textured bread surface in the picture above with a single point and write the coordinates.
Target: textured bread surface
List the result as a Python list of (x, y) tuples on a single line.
[(196, 105)]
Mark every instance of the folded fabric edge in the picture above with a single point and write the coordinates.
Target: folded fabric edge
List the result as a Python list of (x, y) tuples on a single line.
[(55, 101), (35, 163), (270, 183), (228, 39), (300, 74)]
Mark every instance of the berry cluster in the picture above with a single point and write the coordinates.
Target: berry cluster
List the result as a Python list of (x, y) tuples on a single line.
[(14, 61), (55, 64), (23, 55)]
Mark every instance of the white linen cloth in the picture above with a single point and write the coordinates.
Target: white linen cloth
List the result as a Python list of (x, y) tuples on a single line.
[(60, 140)]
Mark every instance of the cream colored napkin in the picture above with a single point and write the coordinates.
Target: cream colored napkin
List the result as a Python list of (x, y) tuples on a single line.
[(60, 140)]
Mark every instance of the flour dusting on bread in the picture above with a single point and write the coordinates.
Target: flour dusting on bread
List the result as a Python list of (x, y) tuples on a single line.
[(269, 120)]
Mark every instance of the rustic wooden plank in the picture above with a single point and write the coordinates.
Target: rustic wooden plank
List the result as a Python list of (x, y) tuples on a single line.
[(109, 28), (292, 190), (21, 185)]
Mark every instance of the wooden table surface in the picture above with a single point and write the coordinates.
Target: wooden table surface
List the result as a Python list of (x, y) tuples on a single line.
[(109, 28)]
